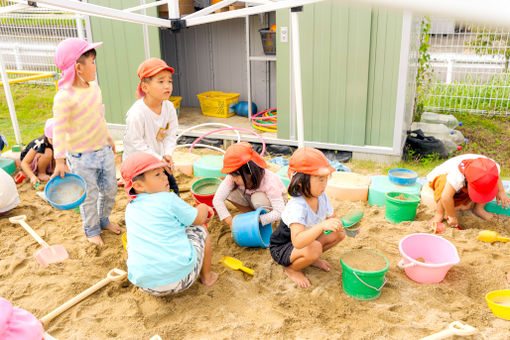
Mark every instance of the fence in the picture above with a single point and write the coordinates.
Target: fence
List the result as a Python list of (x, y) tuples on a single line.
[(28, 39), (469, 69)]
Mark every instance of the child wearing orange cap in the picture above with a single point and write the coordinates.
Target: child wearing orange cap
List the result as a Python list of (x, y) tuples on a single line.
[(168, 248), (249, 185), (152, 120), (299, 240), (81, 139), (465, 182)]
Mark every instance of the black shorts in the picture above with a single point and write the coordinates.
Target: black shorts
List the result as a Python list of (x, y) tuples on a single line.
[(281, 253)]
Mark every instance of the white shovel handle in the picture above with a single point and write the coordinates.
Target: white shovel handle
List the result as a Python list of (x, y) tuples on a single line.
[(454, 328), (401, 264), (21, 220), (113, 275)]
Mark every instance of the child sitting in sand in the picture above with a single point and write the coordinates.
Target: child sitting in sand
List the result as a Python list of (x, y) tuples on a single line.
[(37, 158), (80, 134), (9, 197), (249, 185), (466, 182), (152, 120), (299, 240), (168, 248)]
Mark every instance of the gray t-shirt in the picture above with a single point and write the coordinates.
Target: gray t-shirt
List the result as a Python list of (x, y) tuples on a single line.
[(298, 211)]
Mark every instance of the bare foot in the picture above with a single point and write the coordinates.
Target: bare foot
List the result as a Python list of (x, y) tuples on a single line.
[(298, 277), (210, 280), (480, 212), (322, 264), (96, 239), (113, 228)]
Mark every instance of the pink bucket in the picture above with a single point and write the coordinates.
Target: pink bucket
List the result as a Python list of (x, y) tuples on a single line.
[(439, 256)]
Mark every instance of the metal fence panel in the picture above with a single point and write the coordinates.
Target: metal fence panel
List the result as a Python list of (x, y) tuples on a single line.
[(469, 66), (28, 38)]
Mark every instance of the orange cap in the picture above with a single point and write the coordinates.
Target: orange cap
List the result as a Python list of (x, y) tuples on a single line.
[(309, 161), (239, 154), (482, 178), (149, 68), (135, 165)]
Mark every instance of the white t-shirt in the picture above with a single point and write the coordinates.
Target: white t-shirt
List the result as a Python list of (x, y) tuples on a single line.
[(451, 169), (149, 132), (9, 197), (298, 211)]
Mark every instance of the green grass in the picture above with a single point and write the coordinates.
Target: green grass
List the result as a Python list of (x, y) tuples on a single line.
[(33, 106), (492, 97)]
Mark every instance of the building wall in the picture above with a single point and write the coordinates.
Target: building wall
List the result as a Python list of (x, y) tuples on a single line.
[(349, 65), (212, 57), (119, 56)]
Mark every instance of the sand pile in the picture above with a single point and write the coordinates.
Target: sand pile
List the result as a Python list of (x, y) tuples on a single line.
[(239, 306)]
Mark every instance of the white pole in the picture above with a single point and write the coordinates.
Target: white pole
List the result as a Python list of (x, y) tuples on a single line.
[(296, 70), (145, 31), (10, 102), (79, 27), (248, 64)]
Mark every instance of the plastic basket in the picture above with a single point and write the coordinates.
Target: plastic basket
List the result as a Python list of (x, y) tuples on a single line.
[(268, 41), (177, 103), (218, 104)]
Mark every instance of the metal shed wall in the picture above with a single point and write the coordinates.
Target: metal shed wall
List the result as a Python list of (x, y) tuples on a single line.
[(350, 66), (212, 57), (119, 57)]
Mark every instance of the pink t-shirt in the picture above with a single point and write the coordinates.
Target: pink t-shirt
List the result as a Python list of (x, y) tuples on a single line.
[(271, 185)]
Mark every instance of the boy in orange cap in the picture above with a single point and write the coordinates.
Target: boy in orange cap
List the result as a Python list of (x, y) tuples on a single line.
[(168, 248), (249, 185), (465, 182), (299, 240), (152, 120)]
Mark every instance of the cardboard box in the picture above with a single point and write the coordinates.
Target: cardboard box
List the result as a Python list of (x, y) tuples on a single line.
[(185, 7)]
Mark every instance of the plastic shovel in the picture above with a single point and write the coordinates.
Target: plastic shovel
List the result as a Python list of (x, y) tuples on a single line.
[(235, 264), (113, 275), (491, 236), (455, 328), (349, 220), (47, 255)]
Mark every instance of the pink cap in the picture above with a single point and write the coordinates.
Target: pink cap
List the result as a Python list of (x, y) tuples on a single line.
[(48, 128), (17, 323), (66, 55)]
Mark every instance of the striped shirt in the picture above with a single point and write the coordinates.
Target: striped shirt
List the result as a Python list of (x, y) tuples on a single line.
[(80, 125)]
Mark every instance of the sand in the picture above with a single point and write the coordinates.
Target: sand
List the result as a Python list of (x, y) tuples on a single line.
[(239, 306), (364, 259)]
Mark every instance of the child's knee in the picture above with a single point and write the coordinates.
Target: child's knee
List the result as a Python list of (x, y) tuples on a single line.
[(314, 250)]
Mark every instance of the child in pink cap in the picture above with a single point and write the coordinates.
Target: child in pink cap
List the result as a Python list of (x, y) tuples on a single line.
[(37, 158), (17, 323), (81, 137)]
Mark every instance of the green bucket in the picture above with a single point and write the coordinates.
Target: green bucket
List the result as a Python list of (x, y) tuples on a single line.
[(359, 283), (400, 209)]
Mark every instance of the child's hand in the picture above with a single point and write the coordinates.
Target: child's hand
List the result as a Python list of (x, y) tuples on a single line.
[(170, 162), (210, 215), (34, 180), (503, 200), (61, 168), (332, 224)]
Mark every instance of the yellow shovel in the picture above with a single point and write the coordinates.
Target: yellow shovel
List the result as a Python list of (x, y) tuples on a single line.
[(491, 236), (235, 264)]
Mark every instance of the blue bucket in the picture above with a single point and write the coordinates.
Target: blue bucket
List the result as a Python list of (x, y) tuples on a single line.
[(249, 232), (66, 193)]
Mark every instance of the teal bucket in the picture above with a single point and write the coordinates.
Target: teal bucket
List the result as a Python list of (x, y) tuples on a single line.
[(401, 207), (362, 283)]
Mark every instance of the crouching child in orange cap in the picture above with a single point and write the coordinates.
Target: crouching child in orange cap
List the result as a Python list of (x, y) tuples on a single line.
[(299, 240), (465, 182), (249, 185), (168, 248), (152, 120)]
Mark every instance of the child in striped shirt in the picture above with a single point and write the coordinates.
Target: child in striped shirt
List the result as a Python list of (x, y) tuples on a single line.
[(81, 136)]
